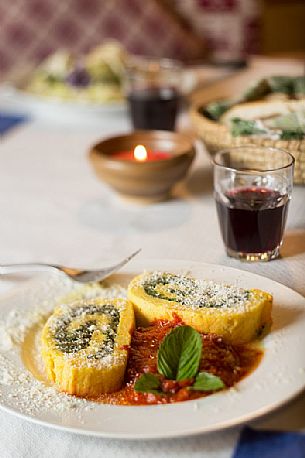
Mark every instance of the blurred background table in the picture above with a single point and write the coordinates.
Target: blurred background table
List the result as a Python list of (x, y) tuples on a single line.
[(54, 209)]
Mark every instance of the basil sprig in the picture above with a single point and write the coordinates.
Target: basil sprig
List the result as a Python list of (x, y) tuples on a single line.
[(207, 382), (180, 353), (148, 383), (179, 358)]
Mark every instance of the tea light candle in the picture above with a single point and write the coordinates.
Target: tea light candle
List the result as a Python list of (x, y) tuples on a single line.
[(141, 154), (145, 173)]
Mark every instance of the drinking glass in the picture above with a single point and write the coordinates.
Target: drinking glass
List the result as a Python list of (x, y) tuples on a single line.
[(252, 189), (152, 88)]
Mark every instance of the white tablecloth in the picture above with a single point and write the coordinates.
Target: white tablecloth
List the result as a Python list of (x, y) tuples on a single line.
[(54, 209)]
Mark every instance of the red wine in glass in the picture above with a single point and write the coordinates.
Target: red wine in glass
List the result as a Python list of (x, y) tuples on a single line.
[(154, 108), (252, 219)]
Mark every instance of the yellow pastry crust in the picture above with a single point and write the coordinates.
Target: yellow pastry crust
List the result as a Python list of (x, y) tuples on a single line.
[(84, 346), (240, 322)]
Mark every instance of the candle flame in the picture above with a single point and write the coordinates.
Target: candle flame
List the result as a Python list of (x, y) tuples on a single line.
[(140, 153)]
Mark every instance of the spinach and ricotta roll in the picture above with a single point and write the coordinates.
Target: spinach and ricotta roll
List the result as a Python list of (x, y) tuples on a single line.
[(239, 315), (84, 346)]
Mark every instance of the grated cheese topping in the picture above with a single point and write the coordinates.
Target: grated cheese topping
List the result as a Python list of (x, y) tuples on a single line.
[(87, 332), (193, 293)]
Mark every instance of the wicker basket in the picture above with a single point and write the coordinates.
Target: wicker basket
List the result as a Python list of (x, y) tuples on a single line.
[(217, 136)]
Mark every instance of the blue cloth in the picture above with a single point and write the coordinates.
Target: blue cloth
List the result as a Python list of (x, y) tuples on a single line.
[(270, 444), (8, 121)]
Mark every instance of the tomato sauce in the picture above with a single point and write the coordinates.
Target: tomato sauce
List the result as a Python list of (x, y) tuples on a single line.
[(230, 362)]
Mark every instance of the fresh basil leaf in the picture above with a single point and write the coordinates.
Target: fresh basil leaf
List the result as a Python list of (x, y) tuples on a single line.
[(148, 383), (180, 353), (207, 382)]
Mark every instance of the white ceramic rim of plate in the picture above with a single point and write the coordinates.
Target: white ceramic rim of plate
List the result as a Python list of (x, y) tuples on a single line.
[(266, 389), (35, 103), (57, 101)]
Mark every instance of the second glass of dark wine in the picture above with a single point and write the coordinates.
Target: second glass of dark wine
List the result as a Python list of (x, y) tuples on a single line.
[(153, 93), (252, 187)]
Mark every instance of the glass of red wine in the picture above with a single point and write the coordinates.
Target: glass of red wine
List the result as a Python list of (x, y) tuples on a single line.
[(152, 88), (252, 188)]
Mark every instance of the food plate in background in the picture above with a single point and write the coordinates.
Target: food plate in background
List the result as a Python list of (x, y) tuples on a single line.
[(278, 378), (52, 109), (65, 84), (18, 98)]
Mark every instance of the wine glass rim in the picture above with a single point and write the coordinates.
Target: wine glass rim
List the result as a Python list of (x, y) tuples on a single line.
[(253, 170)]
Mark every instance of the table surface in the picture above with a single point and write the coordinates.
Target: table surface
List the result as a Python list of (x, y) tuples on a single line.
[(53, 209)]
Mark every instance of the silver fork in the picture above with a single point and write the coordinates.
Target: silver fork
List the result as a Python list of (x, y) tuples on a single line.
[(82, 276)]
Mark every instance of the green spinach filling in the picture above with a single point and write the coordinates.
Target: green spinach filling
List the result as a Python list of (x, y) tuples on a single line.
[(72, 341), (191, 292)]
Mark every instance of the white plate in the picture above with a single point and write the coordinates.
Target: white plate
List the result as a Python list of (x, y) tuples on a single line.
[(279, 377), (51, 108)]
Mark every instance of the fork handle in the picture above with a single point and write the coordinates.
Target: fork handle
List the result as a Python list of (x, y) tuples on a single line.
[(26, 267)]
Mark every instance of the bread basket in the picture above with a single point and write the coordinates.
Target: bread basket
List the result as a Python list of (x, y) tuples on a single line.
[(217, 136)]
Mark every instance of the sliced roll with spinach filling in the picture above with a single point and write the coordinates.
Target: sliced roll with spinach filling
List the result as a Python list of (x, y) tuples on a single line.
[(237, 314), (84, 346)]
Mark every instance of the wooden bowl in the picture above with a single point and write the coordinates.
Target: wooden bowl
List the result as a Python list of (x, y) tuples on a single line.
[(147, 180)]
